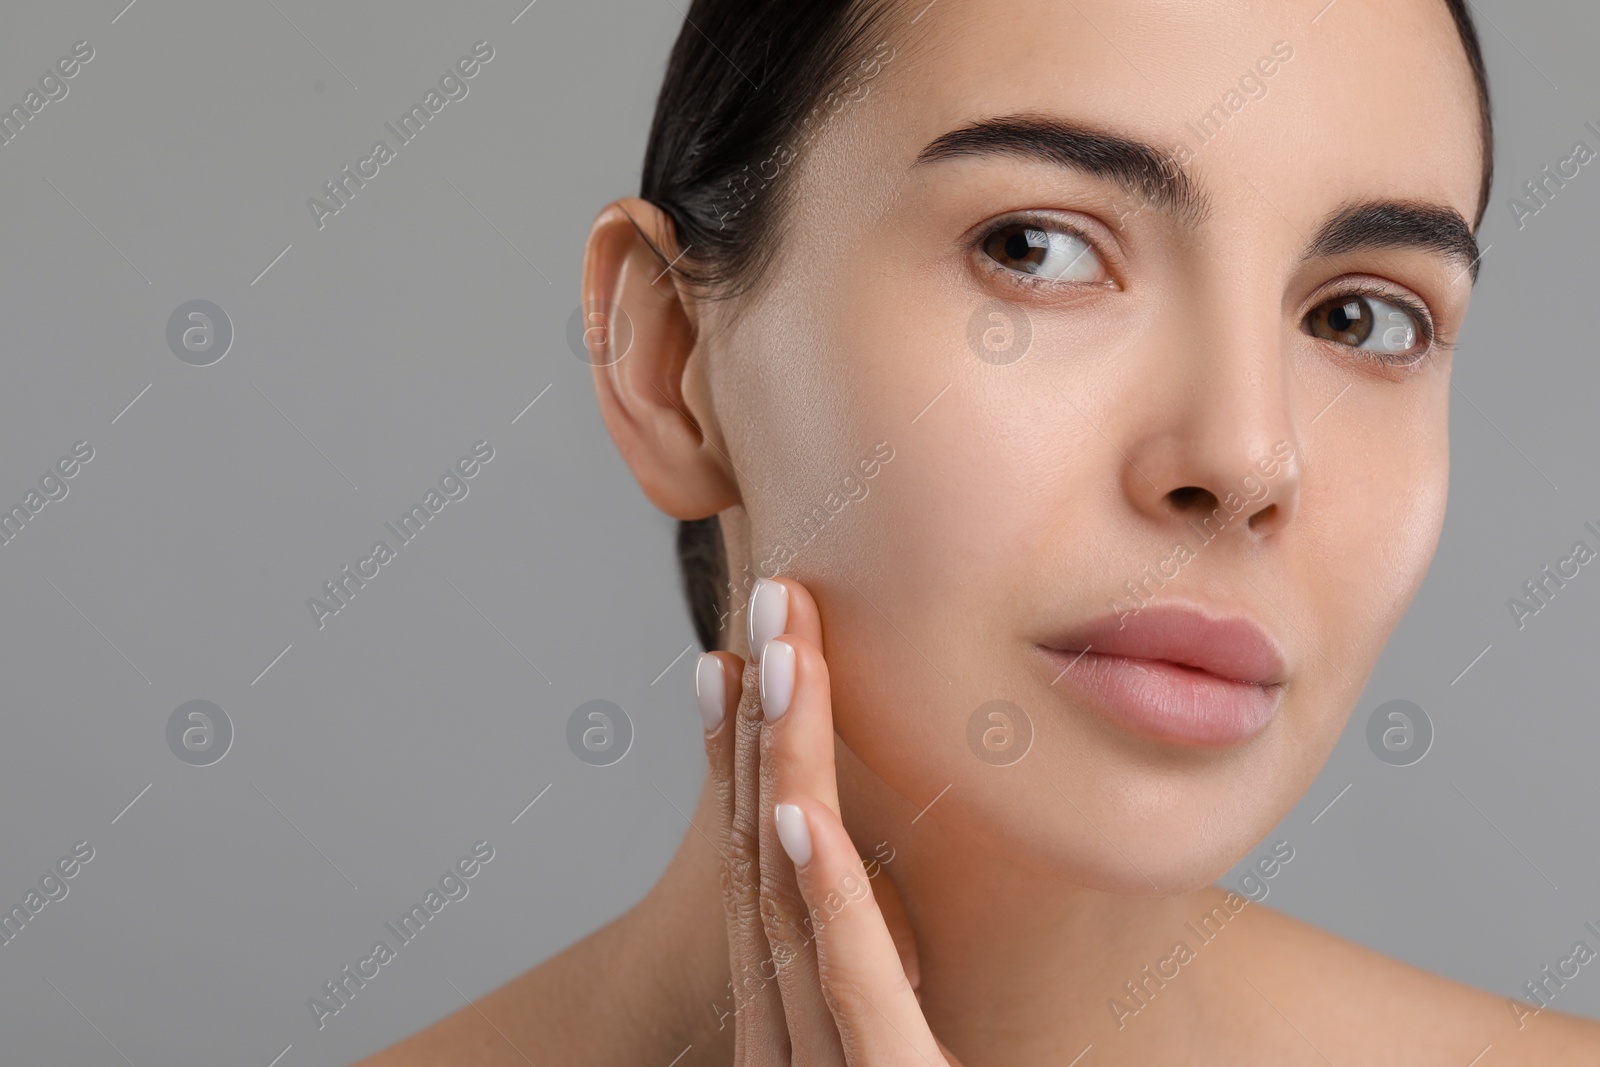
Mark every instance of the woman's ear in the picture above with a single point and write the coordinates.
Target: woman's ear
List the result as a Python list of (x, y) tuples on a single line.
[(643, 338)]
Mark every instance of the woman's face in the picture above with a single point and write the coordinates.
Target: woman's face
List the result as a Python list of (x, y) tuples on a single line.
[(1080, 358)]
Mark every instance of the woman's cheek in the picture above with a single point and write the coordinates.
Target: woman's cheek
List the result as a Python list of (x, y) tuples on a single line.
[(915, 608), (1370, 537), (1404, 555)]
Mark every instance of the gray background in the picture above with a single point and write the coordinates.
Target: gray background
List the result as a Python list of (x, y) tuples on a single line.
[(427, 715)]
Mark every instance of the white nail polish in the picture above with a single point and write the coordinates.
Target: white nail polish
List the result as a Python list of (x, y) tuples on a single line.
[(777, 679), (793, 833), (768, 614), (708, 679)]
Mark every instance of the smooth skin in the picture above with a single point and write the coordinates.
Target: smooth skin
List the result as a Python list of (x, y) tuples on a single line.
[(1019, 900), (830, 972), (837, 990)]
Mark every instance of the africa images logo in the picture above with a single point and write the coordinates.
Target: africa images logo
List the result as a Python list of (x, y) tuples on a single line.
[(452, 86), (341, 589), (52, 87), (452, 886)]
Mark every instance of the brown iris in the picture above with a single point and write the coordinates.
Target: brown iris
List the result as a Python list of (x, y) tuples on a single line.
[(1346, 319), (1018, 244)]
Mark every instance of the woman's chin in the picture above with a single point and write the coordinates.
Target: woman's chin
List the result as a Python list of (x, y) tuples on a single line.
[(1038, 829), (1136, 867)]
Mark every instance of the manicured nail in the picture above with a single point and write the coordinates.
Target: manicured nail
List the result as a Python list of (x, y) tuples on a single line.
[(793, 833), (777, 678), (708, 680), (768, 614)]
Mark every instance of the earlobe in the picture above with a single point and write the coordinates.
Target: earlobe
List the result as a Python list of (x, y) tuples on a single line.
[(649, 378)]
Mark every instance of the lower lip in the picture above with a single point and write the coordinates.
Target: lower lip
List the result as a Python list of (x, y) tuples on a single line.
[(1167, 701)]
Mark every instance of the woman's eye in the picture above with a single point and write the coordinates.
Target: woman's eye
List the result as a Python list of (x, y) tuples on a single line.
[(1055, 255), (1362, 321)]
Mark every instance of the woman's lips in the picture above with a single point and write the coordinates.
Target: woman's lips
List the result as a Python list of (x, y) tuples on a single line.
[(1174, 671)]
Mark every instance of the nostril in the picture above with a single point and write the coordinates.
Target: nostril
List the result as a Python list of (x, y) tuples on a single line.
[(1191, 497), (1265, 517)]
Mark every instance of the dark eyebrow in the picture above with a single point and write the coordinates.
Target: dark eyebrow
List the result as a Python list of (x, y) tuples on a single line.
[(1398, 224), (1158, 178), (1153, 175)]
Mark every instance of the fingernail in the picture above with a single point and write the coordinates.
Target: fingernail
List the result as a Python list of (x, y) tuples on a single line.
[(768, 614), (793, 833), (777, 679), (708, 679)]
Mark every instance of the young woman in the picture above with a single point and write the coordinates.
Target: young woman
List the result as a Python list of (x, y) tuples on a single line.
[(1074, 374)]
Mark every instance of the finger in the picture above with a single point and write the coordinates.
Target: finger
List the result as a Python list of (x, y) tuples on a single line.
[(803, 619), (782, 606), (806, 755), (718, 688), (760, 1033), (797, 703), (798, 731), (873, 1004), (718, 680)]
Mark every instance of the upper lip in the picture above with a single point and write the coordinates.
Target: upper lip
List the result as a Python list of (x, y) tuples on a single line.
[(1229, 646)]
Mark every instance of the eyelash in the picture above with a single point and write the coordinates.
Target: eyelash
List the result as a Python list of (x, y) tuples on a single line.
[(1022, 280)]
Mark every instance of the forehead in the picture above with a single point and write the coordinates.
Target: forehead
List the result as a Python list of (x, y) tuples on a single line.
[(1322, 104)]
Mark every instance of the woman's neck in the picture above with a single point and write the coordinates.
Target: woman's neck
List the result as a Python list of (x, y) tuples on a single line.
[(1017, 959), (1015, 962)]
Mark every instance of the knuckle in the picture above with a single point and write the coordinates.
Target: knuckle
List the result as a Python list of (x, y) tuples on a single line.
[(730, 880), (747, 912), (739, 863), (785, 953), (749, 984), (744, 844), (749, 708), (780, 890), (778, 910), (721, 777)]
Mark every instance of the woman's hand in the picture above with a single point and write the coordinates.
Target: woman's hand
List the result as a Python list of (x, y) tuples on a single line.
[(819, 979)]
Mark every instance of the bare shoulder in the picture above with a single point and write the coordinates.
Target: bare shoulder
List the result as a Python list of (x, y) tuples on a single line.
[(610, 998), (509, 1026), (550, 1013), (1355, 1005)]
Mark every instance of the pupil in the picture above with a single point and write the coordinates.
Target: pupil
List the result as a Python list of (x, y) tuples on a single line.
[(1018, 246), (1342, 318)]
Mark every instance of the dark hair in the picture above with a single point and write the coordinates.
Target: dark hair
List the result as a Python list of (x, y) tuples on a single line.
[(743, 91), (745, 88), (1480, 78)]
